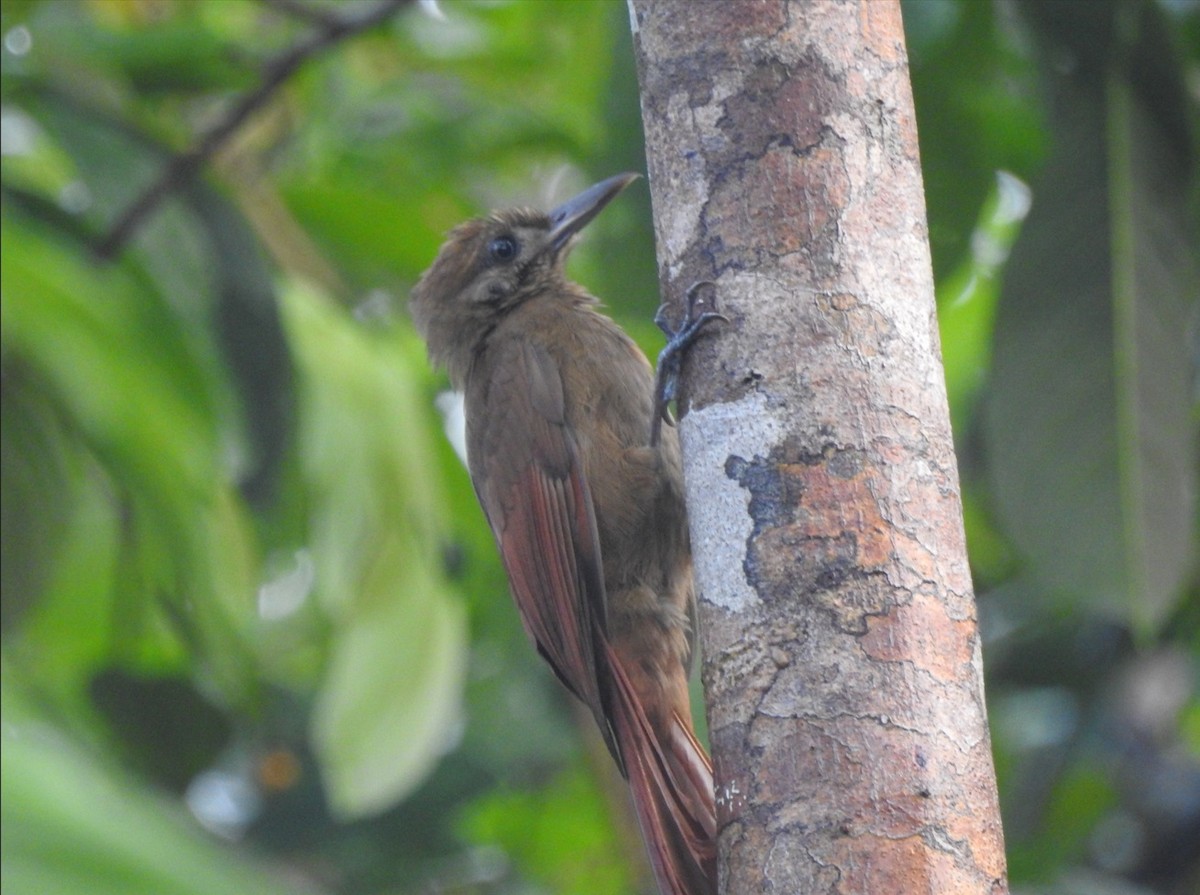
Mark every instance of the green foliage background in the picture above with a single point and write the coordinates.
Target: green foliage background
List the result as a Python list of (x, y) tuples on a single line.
[(255, 636)]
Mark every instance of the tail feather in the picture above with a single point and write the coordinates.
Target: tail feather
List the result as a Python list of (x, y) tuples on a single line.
[(672, 787)]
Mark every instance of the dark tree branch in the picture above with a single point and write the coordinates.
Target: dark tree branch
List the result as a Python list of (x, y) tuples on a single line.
[(182, 167)]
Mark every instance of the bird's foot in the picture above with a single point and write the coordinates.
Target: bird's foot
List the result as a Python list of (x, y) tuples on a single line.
[(666, 380)]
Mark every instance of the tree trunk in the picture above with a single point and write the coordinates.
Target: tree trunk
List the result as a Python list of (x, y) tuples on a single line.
[(841, 657)]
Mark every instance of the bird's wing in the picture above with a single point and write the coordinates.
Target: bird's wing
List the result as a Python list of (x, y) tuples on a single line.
[(672, 785), (530, 481)]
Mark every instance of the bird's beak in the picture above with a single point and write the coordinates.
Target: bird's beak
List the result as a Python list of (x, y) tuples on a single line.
[(575, 214)]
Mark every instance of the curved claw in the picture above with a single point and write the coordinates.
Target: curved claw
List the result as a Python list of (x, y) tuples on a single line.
[(699, 322), (666, 376), (669, 360), (693, 292), (660, 319)]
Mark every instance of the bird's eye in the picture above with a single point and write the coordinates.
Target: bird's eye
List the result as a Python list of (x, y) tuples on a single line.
[(503, 248)]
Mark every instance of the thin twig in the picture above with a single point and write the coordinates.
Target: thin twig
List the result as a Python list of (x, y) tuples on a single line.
[(183, 166)]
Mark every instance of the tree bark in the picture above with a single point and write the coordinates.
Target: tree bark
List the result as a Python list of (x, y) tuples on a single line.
[(841, 656)]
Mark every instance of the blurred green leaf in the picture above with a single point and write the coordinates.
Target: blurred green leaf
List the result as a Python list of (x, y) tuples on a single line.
[(175, 56), (202, 256), (116, 367), (1090, 433), (365, 229), (391, 696), (73, 824), (390, 704), (1080, 798), (114, 359), (169, 260), (967, 299), (557, 833), (40, 476), (978, 112), (249, 332), (15, 10), (1190, 729), (58, 645)]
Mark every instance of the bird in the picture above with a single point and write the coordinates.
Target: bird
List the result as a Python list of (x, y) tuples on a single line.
[(583, 491)]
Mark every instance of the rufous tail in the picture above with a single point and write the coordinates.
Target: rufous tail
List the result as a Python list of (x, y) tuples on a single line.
[(672, 785)]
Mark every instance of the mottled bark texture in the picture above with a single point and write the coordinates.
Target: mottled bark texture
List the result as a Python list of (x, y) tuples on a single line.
[(842, 661)]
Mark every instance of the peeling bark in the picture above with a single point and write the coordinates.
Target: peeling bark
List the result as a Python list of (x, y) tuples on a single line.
[(842, 660)]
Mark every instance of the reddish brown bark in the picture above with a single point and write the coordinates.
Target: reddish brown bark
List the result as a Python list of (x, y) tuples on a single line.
[(842, 660)]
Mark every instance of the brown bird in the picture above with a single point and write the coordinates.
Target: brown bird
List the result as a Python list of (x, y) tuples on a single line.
[(586, 507)]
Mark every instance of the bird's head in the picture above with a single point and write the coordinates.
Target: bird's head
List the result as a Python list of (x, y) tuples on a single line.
[(489, 265)]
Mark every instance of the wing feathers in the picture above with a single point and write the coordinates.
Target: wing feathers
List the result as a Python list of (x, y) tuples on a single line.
[(672, 793), (546, 557), (531, 483)]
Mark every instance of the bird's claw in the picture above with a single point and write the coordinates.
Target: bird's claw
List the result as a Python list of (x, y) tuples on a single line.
[(666, 380), (691, 324)]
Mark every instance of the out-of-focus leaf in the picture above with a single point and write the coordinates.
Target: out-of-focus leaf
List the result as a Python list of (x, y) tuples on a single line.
[(113, 164), (990, 553), (71, 824), (149, 50), (245, 317), (67, 629), (967, 300), (391, 700), (114, 360), (39, 474), (1078, 801), (117, 367), (1190, 729), (518, 43), (480, 71), (391, 697), (203, 258), (366, 230), (15, 10), (36, 166), (558, 834), (1090, 432), (173, 57), (977, 111)]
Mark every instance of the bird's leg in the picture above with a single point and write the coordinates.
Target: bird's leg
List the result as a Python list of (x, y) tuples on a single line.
[(666, 379)]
